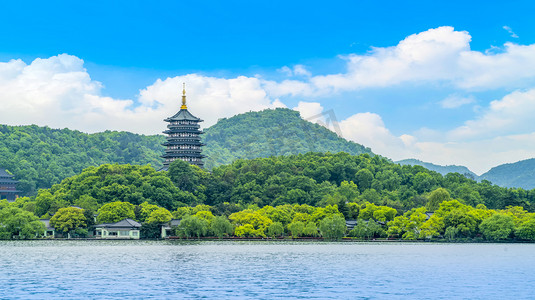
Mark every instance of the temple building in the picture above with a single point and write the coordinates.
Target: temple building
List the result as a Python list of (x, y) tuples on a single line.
[(8, 186), (183, 137)]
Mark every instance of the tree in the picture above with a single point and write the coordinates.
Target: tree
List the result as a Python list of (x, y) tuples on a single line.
[(145, 210), (497, 227), (221, 227), (364, 179), (436, 197), (333, 227), (296, 228), (275, 229), (68, 219), (150, 231), (526, 230), (159, 216), (115, 211), (191, 226), (15, 222), (384, 214), (311, 229), (183, 175)]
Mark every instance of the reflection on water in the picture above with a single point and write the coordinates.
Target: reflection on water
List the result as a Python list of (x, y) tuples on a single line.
[(169, 269)]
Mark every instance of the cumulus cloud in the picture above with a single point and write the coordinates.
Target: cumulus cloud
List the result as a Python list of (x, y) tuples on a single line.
[(369, 129), (511, 114), (439, 55), (309, 109), (58, 92)]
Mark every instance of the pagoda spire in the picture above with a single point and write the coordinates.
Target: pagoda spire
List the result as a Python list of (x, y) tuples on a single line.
[(183, 96)]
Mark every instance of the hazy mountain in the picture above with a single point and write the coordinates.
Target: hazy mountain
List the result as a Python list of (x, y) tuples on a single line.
[(520, 174), (440, 169)]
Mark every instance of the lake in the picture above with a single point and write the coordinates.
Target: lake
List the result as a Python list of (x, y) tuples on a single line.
[(264, 270)]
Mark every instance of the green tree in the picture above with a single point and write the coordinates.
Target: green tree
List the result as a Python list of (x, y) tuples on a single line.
[(526, 230), (364, 179), (191, 226), (144, 210), (221, 227), (18, 223), (275, 229), (159, 216), (311, 229), (497, 227), (333, 227), (183, 175), (296, 228), (115, 211), (436, 197), (68, 219)]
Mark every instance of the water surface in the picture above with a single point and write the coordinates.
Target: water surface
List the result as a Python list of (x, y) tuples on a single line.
[(264, 270)]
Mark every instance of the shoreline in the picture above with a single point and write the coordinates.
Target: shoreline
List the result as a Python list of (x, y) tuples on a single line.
[(317, 240)]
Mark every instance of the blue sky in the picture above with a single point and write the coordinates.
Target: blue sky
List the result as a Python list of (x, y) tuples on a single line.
[(447, 82)]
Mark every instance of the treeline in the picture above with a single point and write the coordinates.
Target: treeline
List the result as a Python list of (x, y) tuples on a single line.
[(389, 200)]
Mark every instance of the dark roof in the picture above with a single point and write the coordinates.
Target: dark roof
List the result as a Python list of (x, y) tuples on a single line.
[(3, 173), (46, 222), (121, 224), (182, 115)]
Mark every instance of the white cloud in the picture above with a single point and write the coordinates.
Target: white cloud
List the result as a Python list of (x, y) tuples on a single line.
[(440, 55), (298, 70), (308, 109), (513, 114), (511, 32), (369, 129), (455, 101), (58, 92)]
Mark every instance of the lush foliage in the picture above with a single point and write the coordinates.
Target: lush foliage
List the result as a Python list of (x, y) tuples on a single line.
[(270, 133), (40, 156)]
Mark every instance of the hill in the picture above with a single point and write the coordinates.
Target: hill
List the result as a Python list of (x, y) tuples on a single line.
[(270, 132), (40, 156), (520, 174), (438, 168)]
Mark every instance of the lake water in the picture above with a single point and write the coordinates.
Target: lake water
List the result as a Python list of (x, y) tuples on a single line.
[(264, 270)]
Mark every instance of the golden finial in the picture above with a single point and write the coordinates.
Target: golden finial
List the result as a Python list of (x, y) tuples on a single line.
[(183, 96)]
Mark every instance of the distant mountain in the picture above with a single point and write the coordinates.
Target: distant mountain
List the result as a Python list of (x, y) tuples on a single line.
[(440, 169), (520, 174), (271, 132)]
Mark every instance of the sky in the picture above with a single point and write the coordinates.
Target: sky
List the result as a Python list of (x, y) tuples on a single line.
[(447, 82)]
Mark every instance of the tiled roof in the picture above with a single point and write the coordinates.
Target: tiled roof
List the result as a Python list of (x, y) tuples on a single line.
[(121, 224), (181, 115)]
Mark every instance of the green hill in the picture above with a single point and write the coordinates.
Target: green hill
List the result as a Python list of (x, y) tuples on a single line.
[(438, 168), (520, 174), (270, 132), (40, 156)]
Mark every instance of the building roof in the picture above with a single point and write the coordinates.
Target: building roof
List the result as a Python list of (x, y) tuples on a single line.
[(3, 173), (126, 223), (46, 222), (183, 115)]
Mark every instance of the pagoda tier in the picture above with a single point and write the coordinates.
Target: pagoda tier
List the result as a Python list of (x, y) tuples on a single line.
[(183, 137), (8, 189)]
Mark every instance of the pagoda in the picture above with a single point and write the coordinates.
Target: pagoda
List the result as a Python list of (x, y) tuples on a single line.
[(183, 137), (8, 188)]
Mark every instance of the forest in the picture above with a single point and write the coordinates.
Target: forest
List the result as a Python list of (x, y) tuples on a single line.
[(40, 156), (311, 194)]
